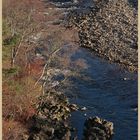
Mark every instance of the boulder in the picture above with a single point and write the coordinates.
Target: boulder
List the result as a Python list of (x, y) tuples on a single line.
[(96, 128)]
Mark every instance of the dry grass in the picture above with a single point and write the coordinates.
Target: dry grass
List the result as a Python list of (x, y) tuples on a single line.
[(19, 95), (12, 130)]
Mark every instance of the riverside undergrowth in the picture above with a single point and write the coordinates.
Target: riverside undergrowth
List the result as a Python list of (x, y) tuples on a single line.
[(33, 56)]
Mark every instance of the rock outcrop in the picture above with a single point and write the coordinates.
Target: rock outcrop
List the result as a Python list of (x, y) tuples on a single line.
[(110, 30), (51, 123), (98, 129)]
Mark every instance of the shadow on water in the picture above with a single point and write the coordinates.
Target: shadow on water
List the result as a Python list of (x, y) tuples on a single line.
[(110, 93)]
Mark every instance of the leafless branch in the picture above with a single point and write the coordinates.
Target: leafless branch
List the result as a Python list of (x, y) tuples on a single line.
[(47, 64)]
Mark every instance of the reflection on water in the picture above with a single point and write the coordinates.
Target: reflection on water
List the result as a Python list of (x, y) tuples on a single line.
[(110, 93)]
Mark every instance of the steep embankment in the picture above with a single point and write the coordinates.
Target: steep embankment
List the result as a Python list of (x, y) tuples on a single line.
[(110, 30)]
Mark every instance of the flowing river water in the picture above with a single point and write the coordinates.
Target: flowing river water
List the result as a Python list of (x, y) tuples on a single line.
[(108, 92)]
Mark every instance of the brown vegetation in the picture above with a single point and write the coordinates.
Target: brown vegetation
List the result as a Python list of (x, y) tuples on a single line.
[(21, 19), (24, 23)]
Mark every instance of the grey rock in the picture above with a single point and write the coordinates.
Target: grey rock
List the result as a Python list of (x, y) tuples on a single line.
[(98, 129)]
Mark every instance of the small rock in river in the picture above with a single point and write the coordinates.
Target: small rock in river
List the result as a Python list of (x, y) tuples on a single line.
[(83, 108), (125, 79), (135, 109), (55, 83), (85, 114), (73, 107)]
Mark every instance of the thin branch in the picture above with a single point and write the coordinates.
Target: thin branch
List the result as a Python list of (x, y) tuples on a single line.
[(48, 62), (15, 51), (43, 71)]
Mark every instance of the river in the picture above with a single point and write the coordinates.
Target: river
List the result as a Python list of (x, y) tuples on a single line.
[(110, 93)]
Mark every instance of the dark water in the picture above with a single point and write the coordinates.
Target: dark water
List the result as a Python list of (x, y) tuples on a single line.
[(106, 94)]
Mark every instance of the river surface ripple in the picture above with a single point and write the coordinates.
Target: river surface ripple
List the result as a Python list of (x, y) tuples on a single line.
[(107, 91)]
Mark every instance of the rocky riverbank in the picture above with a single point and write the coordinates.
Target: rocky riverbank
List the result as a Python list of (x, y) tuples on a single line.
[(51, 120), (109, 29)]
